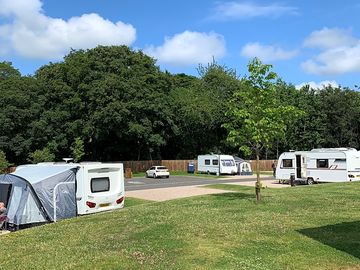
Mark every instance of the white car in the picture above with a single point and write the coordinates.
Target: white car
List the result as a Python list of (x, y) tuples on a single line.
[(157, 171)]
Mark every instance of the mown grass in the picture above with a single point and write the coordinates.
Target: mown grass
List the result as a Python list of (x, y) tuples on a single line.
[(306, 227), (134, 201)]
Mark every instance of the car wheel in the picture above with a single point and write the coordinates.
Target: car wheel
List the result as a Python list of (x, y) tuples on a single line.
[(310, 181), (154, 175), (167, 176)]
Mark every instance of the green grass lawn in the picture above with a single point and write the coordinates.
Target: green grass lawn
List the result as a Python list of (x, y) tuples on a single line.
[(305, 227)]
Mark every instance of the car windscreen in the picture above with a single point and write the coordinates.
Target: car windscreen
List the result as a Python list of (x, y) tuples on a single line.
[(162, 168)]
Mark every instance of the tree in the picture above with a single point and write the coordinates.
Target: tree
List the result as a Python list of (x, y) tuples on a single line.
[(7, 71), (114, 98), (4, 164), (43, 155), (77, 149), (256, 117), (19, 107)]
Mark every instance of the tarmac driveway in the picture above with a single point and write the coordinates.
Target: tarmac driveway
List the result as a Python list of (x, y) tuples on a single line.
[(184, 186), (142, 183)]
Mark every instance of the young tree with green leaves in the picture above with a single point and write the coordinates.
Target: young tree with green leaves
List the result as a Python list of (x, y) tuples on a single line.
[(256, 117), (77, 149)]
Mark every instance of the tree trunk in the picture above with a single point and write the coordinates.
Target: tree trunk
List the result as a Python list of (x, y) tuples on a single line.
[(258, 182)]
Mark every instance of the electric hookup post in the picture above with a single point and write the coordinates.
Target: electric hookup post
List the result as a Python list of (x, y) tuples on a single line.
[(292, 179)]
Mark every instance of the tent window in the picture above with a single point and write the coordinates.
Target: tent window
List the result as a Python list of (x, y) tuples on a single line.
[(100, 184), (287, 163), (246, 167), (5, 190)]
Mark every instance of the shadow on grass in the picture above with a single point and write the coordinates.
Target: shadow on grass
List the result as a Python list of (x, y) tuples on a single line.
[(342, 236), (234, 195)]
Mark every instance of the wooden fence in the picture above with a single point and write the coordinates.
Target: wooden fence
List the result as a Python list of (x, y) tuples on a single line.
[(174, 165), (181, 165)]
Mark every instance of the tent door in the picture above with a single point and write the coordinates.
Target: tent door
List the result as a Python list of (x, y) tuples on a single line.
[(64, 201), (5, 190)]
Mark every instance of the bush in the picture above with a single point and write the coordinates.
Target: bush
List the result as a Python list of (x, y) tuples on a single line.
[(43, 155)]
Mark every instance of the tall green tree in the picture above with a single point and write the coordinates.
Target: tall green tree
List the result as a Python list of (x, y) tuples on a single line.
[(7, 71), (19, 107), (256, 117), (115, 98)]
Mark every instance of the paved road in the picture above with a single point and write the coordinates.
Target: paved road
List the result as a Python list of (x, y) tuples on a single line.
[(142, 183)]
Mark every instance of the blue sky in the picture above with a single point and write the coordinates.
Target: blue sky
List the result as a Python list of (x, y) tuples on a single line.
[(306, 41)]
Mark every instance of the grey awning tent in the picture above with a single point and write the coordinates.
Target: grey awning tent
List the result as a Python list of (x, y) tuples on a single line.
[(38, 194), (244, 167)]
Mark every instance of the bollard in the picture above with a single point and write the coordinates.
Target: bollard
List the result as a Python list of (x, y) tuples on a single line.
[(292, 179), (128, 173)]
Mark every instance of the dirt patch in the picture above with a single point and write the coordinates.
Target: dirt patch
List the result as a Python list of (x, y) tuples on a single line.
[(265, 183)]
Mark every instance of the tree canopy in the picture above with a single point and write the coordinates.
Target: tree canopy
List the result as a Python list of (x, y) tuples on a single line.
[(117, 104)]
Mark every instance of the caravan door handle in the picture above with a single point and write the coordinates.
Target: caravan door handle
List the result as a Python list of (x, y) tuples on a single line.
[(78, 198)]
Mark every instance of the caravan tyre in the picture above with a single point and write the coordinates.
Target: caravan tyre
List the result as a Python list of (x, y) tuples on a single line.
[(310, 181)]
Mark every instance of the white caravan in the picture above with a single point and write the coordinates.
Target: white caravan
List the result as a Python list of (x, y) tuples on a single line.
[(99, 186), (218, 164), (320, 165)]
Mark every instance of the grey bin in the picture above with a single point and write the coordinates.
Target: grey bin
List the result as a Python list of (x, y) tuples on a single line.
[(191, 168)]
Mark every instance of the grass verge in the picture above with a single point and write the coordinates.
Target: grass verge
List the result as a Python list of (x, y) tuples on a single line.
[(306, 227)]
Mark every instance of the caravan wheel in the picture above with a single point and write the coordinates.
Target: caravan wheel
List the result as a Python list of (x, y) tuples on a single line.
[(310, 181)]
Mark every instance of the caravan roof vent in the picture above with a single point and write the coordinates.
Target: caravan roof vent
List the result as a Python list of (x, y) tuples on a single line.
[(68, 160)]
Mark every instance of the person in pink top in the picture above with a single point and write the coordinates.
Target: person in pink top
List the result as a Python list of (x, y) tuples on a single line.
[(2, 208), (3, 216)]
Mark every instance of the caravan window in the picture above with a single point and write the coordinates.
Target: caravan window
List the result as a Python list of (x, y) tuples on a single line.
[(100, 184), (227, 162), (215, 162), (207, 161), (287, 163), (322, 163)]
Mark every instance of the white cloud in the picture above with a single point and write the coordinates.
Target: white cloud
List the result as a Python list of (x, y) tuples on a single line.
[(189, 48), (319, 85), (340, 52), (330, 38), (266, 52), (34, 35), (244, 10)]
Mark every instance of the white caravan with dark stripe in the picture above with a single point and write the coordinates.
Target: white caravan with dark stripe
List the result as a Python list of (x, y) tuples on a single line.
[(216, 164), (320, 165)]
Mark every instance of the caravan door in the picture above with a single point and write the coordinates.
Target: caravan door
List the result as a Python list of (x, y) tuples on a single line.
[(300, 166)]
